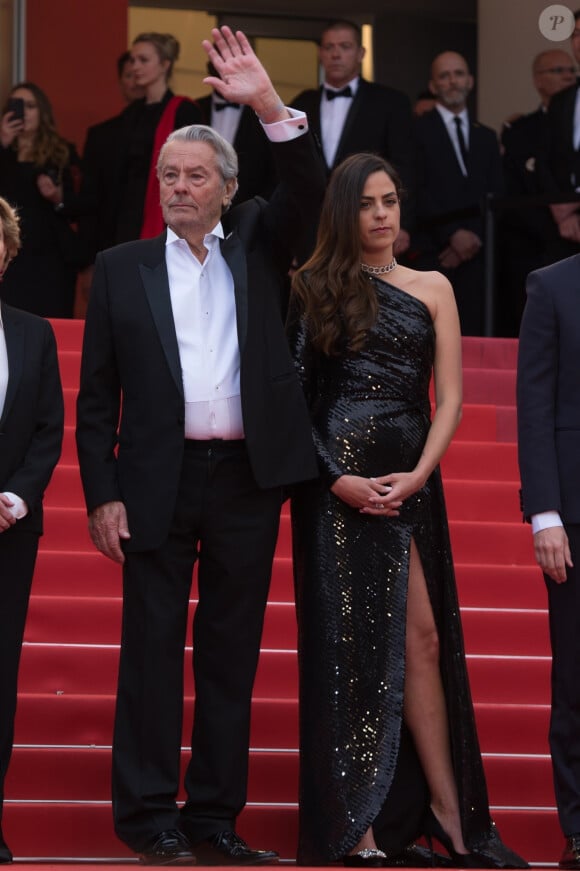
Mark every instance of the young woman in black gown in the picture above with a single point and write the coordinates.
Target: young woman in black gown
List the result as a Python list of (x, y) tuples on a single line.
[(388, 744)]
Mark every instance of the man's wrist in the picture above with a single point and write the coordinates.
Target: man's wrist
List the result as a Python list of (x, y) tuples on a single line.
[(545, 520), (270, 109)]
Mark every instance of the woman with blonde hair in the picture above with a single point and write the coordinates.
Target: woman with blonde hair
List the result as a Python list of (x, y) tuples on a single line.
[(121, 187)]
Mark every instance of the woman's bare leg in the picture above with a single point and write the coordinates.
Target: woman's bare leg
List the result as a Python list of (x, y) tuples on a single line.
[(424, 707)]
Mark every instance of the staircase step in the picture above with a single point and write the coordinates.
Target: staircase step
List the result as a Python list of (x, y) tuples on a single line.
[(479, 423), (474, 499), (494, 386), (76, 831), (483, 460), (68, 333), (97, 620), (84, 774), (73, 573), (473, 541), (87, 719), (506, 631), (489, 353), (482, 500), (70, 368), (481, 542), (488, 585), (60, 669), (77, 719)]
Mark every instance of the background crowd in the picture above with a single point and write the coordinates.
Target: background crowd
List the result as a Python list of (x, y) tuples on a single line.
[(71, 207)]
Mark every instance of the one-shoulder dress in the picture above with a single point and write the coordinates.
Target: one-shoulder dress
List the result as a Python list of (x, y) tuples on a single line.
[(371, 416)]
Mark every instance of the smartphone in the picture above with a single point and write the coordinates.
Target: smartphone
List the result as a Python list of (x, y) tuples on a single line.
[(16, 106)]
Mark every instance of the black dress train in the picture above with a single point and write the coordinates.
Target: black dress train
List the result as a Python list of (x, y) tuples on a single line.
[(358, 766)]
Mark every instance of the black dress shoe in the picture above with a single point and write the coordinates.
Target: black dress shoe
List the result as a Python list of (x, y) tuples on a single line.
[(168, 848), (5, 854), (571, 855), (227, 848)]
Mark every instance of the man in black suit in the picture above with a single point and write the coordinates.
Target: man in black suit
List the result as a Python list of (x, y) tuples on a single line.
[(548, 400), (527, 232), (347, 114), (31, 428), (185, 335), (559, 164), (459, 163), (241, 128)]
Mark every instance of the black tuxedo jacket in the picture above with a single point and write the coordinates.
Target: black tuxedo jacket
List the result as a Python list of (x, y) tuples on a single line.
[(31, 424), (548, 391), (560, 162), (522, 143), (131, 358), (257, 171), (380, 121), (447, 200)]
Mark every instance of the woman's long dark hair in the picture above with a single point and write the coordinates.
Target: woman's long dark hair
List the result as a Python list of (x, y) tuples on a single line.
[(338, 300), (49, 149)]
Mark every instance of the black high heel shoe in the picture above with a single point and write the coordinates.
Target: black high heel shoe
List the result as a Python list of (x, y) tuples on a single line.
[(432, 828)]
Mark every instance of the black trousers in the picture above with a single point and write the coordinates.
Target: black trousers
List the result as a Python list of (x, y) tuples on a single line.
[(230, 526), (564, 607), (17, 558)]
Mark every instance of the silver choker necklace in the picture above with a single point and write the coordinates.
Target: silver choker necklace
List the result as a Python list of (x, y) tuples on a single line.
[(379, 270)]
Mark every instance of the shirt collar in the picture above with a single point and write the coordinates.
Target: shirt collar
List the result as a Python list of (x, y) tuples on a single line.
[(449, 116), (209, 239), (353, 84)]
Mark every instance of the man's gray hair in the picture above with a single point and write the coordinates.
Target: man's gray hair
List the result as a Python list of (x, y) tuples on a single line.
[(226, 157)]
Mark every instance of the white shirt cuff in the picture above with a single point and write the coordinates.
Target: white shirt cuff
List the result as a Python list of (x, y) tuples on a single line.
[(19, 509), (545, 520), (288, 129)]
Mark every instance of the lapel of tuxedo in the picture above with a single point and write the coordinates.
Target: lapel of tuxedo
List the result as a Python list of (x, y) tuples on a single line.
[(153, 271), (353, 113), (235, 256), (14, 337)]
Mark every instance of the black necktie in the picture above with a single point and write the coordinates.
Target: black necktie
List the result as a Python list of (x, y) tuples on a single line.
[(346, 92), (461, 140), (223, 104)]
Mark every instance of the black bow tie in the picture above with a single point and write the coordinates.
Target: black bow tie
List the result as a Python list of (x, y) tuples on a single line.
[(346, 92), (223, 104)]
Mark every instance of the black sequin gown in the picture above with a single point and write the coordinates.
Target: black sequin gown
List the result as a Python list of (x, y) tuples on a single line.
[(358, 766)]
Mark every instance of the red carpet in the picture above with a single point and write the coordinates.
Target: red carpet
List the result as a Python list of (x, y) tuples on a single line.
[(57, 794)]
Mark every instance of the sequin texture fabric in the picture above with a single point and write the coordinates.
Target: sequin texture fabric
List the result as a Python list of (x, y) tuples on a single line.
[(371, 416)]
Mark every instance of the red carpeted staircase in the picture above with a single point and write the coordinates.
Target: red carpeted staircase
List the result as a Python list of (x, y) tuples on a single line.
[(57, 793)]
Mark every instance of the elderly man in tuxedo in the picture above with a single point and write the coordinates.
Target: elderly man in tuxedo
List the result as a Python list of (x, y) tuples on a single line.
[(31, 428), (548, 398), (191, 420)]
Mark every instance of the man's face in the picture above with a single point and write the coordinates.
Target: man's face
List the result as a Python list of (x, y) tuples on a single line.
[(192, 191), (555, 72), (340, 55), (129, 88), (451, 81)]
